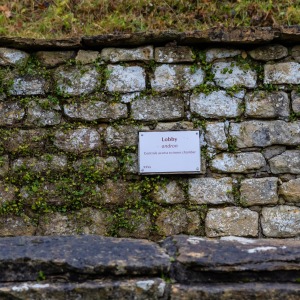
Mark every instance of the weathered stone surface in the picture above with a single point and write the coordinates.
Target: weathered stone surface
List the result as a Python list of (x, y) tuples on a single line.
[(265, 133), (127, 98), (290, 190), (238, 162), (95, 110), (221, 291), (173, 54), (215, 105), (138, 289), (25, 141), (118, 192), (231, 221), (131, 165), (272, 151), (215, 135), (210, 190), (228, 74), (180, 125), (125, 79), (287, 162), (296, 53), (262, 104), (217, 53), (43, 113), (83, 256), (4, 165), (177, 221), (16, 226), (78, 140), (123, 135), (47, 162), (54, 58), (259, 191), (295, 102), (28, 86), (157, 108), (76, 80), (85, 57), (270, 52), (123, 54), (7, 192), (281, 73), (13, 57), (169, 77), (171, 193), (281, 221), (102, 165), (11, 113)]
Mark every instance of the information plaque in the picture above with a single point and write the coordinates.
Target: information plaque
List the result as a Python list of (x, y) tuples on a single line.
[(169, 152)]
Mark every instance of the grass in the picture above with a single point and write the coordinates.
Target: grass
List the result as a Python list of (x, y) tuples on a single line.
[(69, 18)]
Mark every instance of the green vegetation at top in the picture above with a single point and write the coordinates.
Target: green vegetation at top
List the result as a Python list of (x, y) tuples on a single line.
[(69, 18)]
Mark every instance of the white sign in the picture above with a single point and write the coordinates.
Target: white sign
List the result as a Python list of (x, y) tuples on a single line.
[(169, 152)]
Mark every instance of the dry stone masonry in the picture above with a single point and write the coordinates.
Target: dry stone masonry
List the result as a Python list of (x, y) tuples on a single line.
[(69, 123)]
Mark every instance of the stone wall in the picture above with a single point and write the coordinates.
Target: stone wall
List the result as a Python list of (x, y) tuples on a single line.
[(68, 140)]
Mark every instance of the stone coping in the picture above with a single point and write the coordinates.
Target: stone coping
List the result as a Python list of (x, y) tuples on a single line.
[(232, 36)]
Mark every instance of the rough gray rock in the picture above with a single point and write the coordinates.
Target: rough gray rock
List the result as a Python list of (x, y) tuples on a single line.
[(11, 113), (102, 165), (52, 59), (76, 80), (7, 192), (157, 108), (28, 86), (210, 190), (281, 221), (13, 57), (215, 135), (295, 101), (296, 53), (290, 190), (173, 54), (259, 191), (86, 57), (238, 162), (229, 74), (4, 165), (262, 104), (231, 221), (287, 162), (171, 193), (125, 79), (96, 110), (270, 52), (217, 53), (123, 54), (272, 151), (282, 73), (215, 105), (16, 226), (78, 140), (169, 77)]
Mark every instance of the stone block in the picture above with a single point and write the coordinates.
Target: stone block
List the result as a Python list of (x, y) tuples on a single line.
[(282, 73), (95, 110), (7, 192), (125, 79), (210, 190), (180, 125), (122, 54), (96, 164), (86, 57), (262, 104), (78, 140), (296, 53), (238, 162), (295, 102), (51, 59), (127, 98), (281, 221), (13, 57), (218, 53), (272, 151), (170, 77), (287, 162), (270, 52), (290, 190), (259, 191), (43, 113), (4, 165), (28, 86), (215, 105), (265, 133), (157, 108), (11, 113), (229, 74), (231, 221), (16, 226), (215, 135), (173, 54), (131, 165), (171, 193), (76, 80)]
